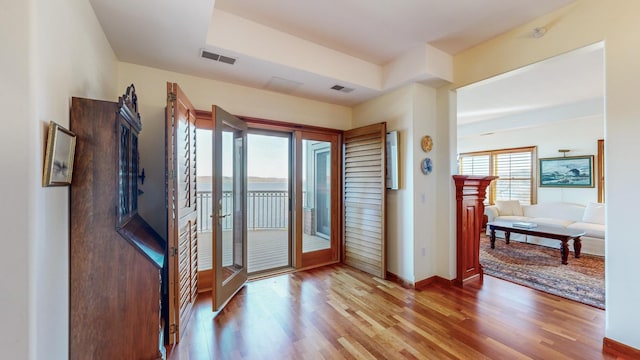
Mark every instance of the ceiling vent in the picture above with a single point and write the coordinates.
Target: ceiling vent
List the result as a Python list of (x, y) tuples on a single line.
[(217, 57), (342, 88)]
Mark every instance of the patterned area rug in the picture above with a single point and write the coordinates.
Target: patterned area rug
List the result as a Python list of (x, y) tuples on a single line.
[(540, 268)]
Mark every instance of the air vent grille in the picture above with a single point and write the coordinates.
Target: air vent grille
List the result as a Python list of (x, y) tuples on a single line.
[(341, 88), (227, 60), (217, 57), (210, 55)]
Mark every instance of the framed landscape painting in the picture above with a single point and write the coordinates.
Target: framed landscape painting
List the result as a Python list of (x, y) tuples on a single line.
[(58, 165), (574, 171)]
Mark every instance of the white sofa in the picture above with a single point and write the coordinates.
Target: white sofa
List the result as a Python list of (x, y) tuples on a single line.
[(589, 219)]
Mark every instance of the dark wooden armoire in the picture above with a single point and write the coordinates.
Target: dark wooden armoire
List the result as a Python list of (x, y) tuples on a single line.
[(470, 195), (115, 256)]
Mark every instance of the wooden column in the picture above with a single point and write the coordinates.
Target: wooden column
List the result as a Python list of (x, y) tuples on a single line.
[(470, 195)]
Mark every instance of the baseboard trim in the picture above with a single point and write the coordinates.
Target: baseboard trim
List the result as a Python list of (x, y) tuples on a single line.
[(619, 349), (398, 280), (433, 280)]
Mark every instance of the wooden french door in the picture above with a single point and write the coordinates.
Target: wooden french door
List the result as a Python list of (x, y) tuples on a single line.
[(182, 235), (230, 203), (318, 219)]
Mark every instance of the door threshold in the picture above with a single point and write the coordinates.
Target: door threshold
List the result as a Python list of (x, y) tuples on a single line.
[(270, 273)]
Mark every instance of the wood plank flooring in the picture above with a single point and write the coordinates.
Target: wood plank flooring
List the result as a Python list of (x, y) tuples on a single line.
[(266, 249), (337, 312)]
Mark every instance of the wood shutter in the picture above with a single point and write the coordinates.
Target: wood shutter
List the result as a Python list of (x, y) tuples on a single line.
[(181, 196), (364, 203)]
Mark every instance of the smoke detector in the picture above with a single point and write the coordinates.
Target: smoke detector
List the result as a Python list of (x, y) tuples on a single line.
[(539, 32)]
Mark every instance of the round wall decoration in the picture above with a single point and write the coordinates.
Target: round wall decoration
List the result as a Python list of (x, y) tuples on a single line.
[(426, 143), (426, 166)]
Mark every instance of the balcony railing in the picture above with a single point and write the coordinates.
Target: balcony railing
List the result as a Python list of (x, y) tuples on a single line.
[(265, 210)]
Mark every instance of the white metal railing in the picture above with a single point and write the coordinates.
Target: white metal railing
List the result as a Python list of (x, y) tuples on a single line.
[(265, 210)]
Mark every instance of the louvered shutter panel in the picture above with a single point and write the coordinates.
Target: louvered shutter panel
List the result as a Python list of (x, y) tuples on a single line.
[(181, 207), (365, 199)]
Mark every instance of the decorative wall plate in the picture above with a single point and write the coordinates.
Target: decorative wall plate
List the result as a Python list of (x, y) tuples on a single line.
[(426, 143), (426, 166)]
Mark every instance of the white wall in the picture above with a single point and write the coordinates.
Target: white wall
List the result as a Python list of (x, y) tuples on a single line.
[(578, 135), (73, 59), (55, 49), (396, 108), (17, 204), (240, 100), (413, 211), (445, 216), (424, 186), (583, 23)]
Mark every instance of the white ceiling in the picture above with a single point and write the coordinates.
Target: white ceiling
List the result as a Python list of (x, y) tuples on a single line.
[(303, 48), (565, 87), (363, 38), (379, 31)]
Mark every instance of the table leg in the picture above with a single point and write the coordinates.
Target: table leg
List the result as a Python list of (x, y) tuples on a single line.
[(577, 246), (564, 250), (492, 238), (507, 236)]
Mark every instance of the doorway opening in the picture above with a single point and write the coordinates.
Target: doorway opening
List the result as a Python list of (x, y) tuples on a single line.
[(541, 106), (268, 201)]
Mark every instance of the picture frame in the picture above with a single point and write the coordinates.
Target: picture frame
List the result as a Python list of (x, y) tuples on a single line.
[(392, 180), (59, 155), (571, 171)]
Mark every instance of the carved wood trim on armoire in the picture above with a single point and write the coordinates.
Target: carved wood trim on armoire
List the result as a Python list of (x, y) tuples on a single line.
[(115, 256), (470, 195)]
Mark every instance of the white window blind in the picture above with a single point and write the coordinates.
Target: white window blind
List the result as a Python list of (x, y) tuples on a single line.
[(514, 172), (475, 165), (514, 167)]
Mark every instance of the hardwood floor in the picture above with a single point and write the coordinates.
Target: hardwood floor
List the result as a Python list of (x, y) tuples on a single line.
[(337, 312)]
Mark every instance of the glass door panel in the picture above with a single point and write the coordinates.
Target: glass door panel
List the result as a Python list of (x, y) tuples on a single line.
[(318, 199), (268, 198), (229, 243), (231, 188), (316, 184)]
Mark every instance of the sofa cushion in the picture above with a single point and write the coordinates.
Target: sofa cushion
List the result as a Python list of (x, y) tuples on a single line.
[(509, 207), (555, 210), (594, 213), (560, 223), (590, 229)]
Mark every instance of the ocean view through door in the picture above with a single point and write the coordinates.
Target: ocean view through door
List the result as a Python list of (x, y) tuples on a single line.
[(268, 201), (268, 194), (292, 206), (229, 206)]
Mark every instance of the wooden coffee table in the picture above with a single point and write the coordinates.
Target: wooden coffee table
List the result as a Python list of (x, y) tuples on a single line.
[(562, 234)]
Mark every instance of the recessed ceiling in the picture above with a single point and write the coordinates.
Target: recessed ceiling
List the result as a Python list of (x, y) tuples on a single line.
[(319, 43), (379, 31), (564, 87)]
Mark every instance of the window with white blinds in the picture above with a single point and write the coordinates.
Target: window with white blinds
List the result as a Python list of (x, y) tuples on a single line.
[(514, 167), (475, 165)]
